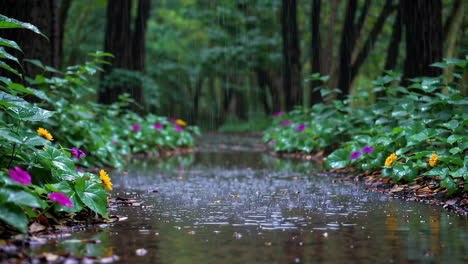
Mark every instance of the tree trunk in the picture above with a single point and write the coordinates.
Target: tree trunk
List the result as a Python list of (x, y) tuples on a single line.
[(372, 38), (328, 62), (394, 45), (138, 47), (348, 39), (423, 30), (264, 84), (316, 50), (42, 14), (62, 21), (291, 54), (117, 42)]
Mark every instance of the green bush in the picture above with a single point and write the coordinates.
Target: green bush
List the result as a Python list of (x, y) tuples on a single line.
[(425, 121), (44, 144)]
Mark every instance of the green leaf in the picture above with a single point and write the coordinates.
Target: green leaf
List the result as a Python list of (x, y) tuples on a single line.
[(419, 155), (66, 188), (454, 138), (93, 195), (6, 22), (14, 215), (54, 158), (452, 125), (459, 173), (338, 159), (437, 171), (30, 114), (20, 197), (10, 44), (399, 171), (449, 184), (8, 68), (5, 55)]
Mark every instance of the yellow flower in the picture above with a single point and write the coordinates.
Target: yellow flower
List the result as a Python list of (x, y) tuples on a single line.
[(45, 134), (105, 179), (433, 160), (390, 159), (181, 122)]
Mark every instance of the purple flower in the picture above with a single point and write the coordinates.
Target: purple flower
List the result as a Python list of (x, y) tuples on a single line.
[(273, 141), (278, 114), (61, 198), (178, 128), (285, 123), (77, 153), (136, 127), (79, 170), (367, 149), (19, 175), (158, 126), (173, 120), (355, 155), (301, 128), (115, 143)]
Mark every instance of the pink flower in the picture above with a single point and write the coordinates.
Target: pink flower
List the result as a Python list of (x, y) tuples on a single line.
[(77, 153), (368, 149), (301, 128), (61, 198), (158, 126), (136, 127), (355, 155), (285, 123), (178, 128), (19, 175), (79, 170), (173, 120), (115, 143), (278, 114)]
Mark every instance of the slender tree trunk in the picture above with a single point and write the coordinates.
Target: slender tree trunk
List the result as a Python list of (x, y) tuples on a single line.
[(372, 38), (316, 50), (62, 21), (348, 38), (264, 86), (291, 54), (394, 45), (117, 42), (138, 46), (196, 99), (276, 90), (457, 8), (328, 62), (423, 30)]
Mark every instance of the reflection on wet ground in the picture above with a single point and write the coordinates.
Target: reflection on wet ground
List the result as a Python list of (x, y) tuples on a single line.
[(242, 206)]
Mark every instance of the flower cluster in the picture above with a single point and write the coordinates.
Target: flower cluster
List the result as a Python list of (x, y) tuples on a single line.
[(390, 159), (45, 134), (433, 160), (105, 179)]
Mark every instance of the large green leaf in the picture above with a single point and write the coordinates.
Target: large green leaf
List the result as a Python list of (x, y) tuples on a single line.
[(93, 195), (66, 187), (9, 43), (30, 113), (338, 159), (6, 22), (14, 215), (20, 197), (5, 55), (55, 159)]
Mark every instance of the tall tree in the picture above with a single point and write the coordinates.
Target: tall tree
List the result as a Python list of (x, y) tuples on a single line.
[(316, 50), (291, 54), (42, 14), (422, 21), (127, 46)]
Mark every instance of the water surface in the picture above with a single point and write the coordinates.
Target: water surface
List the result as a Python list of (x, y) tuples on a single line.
[(230, 203)]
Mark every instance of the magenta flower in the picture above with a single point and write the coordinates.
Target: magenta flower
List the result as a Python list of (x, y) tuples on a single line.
[(368, 149), (355, 155), (285, 123), (278, 114), (77, 153), (115, 143), (79, 170), (19, 175), (136, 127), (61, 198), (178, 128), (158, 126), (301, 128), (273, 141), (173, 120)]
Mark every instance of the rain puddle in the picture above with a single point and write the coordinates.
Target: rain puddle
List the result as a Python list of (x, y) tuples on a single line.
[(229, 203)]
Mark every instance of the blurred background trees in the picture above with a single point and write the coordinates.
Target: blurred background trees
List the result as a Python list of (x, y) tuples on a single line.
[(218, 61)]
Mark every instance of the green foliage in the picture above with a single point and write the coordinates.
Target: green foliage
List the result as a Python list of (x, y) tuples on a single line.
[(428, 117), (36, 164)]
